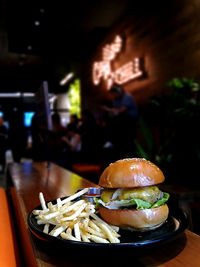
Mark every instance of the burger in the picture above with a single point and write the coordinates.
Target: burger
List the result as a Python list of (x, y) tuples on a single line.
[(131, 196)]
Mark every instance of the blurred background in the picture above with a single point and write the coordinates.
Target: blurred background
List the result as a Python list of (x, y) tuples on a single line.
[(150, 48)]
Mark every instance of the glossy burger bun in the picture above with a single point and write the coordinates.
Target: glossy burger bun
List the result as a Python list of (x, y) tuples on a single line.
[(130, 173), (140, 220)]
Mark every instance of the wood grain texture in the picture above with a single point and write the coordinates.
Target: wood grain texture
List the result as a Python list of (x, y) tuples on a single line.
[(30, 179)]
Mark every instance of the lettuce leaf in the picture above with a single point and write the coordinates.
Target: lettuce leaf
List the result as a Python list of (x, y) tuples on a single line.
[(141, 204), (161, 201), (135, 202)]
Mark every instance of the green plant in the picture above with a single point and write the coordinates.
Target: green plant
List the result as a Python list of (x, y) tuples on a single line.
[(74, 98), (176, 117), (145, 149)]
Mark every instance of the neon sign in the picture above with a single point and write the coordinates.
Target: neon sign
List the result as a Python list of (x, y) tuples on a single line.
[(102, 70)]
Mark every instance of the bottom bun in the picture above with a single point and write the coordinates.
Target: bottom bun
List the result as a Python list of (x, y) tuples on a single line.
[(138, 219)]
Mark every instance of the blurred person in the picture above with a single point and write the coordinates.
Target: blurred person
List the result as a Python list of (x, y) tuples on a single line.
[(58, 150), (90, 136), (17, 135), (57, 126), (123, 117), (73, 140), (3, 144), (74, 121), (38, 150)]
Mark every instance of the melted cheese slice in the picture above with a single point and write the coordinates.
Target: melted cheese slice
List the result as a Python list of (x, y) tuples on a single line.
[(148, 193)]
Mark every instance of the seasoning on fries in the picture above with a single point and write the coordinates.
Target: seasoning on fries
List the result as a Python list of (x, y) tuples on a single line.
[(75, 220)]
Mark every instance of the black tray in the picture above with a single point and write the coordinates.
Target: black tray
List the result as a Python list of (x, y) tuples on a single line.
[(176, 223)]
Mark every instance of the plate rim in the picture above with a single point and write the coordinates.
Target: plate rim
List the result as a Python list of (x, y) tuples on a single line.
[(181, 217)]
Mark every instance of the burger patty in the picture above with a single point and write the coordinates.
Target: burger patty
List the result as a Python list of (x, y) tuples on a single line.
[(149, 193)]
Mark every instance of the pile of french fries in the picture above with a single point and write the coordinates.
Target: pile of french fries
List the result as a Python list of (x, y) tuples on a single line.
[(75, 220)]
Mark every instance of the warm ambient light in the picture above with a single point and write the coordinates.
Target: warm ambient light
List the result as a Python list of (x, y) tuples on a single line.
[(103, 70), (29, 47), (37, 23), (127, 72), (68, 77), (110, 51)]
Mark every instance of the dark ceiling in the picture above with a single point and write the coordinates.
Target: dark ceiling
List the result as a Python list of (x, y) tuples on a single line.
[(43, 40), (66, 26)]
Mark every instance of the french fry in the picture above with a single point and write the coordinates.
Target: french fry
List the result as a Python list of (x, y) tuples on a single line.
[(59, 203), (57, 230), (93, 232), (42, 201), (68, 237), (76, 214), (50, 215), (77, 231), (97, 239), (84, 222), (108, 233), (94, 226), (75, 220), (101, 221), (51, 207), (84, 236), (46, 221), (71, 207), (90, 209), (56, 213), (78, 194), (69, 230), (46, 228), (83, 214), (38, 212), (115, 228)]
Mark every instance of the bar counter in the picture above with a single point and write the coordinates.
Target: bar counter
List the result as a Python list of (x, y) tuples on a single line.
[(26, 180)]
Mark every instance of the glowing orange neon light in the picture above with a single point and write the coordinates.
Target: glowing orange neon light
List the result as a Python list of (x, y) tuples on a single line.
[(103, 70)]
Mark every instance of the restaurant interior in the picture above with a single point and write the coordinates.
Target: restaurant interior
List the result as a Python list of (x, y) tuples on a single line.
[(59, 62)]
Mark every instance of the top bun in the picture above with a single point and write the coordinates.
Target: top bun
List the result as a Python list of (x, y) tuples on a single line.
[(131, 172)]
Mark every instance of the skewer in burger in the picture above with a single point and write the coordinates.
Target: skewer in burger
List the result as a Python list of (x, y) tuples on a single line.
[(131, 197)]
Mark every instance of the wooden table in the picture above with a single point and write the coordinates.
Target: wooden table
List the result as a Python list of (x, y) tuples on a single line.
[(29, 179)]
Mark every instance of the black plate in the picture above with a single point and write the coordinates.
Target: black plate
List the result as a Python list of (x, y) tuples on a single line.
[(176, 223)]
